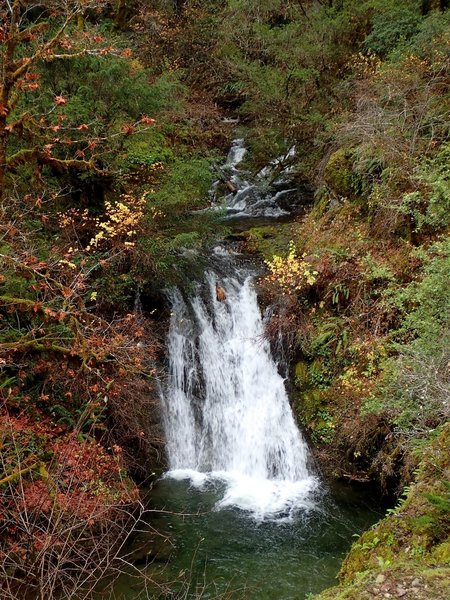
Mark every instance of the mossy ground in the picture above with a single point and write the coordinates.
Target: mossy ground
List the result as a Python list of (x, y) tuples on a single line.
[(406, 554)]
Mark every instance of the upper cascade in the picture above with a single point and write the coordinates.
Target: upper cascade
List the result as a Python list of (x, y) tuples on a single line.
[(271, 192)]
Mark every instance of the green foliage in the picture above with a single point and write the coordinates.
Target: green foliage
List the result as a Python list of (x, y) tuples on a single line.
[(177, 236), (115, 291), (415, 386), (441, 502), (430, 207), (431, 36), (376, 272), (394, 25), (428, 301), (87, 107), (111, 90), (329, 332), (185, 185), (281, 84), (145, 149)]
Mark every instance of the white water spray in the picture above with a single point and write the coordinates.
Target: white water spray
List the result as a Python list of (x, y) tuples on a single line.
[(227, 414)]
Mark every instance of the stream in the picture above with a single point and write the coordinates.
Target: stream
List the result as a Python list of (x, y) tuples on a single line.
[(242, 502)]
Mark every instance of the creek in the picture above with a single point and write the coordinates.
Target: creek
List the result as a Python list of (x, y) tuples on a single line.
[(242, 501)]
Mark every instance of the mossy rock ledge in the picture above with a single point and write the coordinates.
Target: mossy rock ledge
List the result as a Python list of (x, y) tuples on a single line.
[(407, 553)]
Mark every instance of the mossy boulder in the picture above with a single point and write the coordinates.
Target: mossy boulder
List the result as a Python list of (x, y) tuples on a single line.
[(340, 176)]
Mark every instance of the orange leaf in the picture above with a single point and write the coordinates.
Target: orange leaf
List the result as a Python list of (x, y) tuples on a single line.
[(128, 129), (145, 120)]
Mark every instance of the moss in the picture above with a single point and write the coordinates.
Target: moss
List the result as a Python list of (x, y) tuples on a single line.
[(17, 285), (411, 544), (339, 175), (418, 581), (270, 240), (441, 553), (309, 405), (301, 375)]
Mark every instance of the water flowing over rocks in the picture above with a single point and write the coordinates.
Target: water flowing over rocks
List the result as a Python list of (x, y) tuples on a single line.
[(271, 192), (227, 414)]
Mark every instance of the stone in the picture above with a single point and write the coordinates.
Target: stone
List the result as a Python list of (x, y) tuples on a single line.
[(380, 579), (415, 582)]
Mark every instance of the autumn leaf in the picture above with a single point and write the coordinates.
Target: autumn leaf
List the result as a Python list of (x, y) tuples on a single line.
[(145, 120), (83, 127), (128, 129), (60, 100)]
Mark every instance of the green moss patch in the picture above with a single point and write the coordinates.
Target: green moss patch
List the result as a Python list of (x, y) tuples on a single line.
[(406, 554)]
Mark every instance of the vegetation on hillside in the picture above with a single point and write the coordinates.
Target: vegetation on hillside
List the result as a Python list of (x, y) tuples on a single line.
[(110, 119)]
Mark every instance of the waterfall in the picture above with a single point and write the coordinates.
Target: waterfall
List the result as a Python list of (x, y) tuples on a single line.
[(269, 193), (227, 416)]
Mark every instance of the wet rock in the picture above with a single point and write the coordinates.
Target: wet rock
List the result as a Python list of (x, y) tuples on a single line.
[(220, 293)]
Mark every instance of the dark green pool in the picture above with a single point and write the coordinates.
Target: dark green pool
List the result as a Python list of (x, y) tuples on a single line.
[(227, 554)]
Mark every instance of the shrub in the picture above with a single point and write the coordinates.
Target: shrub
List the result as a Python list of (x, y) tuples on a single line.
[(390, 28), (416, 385), (430, 206)]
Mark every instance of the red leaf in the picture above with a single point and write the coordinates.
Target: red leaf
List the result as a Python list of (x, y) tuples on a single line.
[(145, 120), (128, 129), (60, 100)]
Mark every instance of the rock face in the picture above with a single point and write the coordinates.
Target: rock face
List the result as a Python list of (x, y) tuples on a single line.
[(135, 424)]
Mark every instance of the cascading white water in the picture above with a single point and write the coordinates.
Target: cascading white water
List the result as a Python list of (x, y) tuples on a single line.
[(227, 413), (266, 194)]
